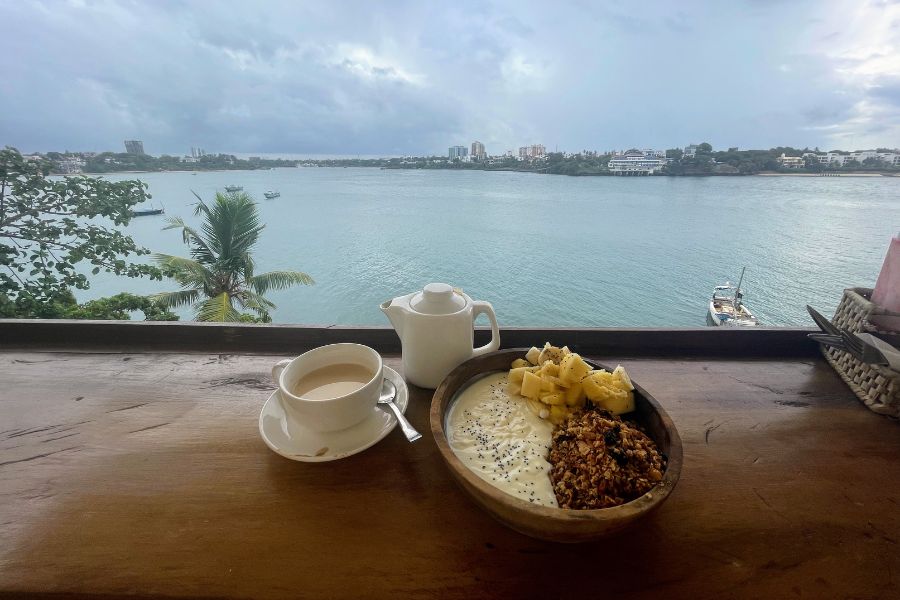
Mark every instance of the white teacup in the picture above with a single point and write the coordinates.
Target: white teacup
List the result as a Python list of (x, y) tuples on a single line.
[(330, 414)]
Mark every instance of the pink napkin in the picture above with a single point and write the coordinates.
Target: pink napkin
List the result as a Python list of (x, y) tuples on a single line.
[(887, 288)]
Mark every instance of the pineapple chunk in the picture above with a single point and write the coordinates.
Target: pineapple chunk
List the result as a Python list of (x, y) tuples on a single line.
[(520, 362), (554, 399), (558, 414), (531, 386), (513, 389), (603, 377), (573, 368), (592, 389), (619, 402), (548, 386), (518, 374), (549, 368), (556, 381), (551, 353), (619, 372), (532, 356), (575, 395)]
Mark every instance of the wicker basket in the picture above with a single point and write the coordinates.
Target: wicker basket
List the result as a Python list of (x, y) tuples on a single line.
[(878, 387)]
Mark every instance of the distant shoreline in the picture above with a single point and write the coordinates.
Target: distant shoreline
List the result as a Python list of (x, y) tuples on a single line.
[(851, 174), (167, 171), (506, 170)]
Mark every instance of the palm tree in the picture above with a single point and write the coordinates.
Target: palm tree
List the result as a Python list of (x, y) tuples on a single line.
[(220, 270)]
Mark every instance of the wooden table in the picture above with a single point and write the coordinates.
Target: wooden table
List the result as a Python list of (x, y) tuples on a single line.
[(143, 473)]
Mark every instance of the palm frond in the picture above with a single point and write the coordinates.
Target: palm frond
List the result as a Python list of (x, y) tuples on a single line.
[(279, 280), (255, 301), (187, 272), (200, 249), (218, 309), (176, 299), (231, 226)]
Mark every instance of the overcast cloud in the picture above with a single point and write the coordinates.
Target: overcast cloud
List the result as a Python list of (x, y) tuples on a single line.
[(391, 78)]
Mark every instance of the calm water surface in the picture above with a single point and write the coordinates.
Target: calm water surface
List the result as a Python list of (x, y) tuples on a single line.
[(546, 250)]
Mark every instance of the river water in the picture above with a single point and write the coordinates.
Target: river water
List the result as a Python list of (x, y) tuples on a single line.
[(545, 250)]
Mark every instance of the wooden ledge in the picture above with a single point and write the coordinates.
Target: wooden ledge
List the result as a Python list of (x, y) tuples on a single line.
[(233, 338)]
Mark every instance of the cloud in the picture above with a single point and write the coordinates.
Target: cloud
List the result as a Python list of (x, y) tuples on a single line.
[(409, 77), (861, 62)]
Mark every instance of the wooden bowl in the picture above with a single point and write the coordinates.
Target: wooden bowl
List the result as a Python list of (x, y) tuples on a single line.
[(544, 522)]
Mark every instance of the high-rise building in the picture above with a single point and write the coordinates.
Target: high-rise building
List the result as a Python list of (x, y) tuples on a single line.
[(478, 151), (134, 146), (532, 151), (458, 152)]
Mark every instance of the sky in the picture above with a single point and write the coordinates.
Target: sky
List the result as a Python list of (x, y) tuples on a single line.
[(413, 77)]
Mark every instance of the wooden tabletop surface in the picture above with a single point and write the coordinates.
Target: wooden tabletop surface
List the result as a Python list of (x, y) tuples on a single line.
[(144, 474)]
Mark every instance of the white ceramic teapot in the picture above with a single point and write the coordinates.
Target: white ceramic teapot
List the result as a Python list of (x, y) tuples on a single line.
[(436, 329)]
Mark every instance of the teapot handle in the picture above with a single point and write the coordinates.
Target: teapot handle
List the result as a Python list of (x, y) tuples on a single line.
[(478, 308)]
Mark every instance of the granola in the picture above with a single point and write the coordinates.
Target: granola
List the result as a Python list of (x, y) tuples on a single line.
[(598, 461)]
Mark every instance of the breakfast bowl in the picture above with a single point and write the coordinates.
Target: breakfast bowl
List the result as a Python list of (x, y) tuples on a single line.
[(548, 522)]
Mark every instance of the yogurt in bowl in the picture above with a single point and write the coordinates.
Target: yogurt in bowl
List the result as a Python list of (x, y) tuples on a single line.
[(500, 440)]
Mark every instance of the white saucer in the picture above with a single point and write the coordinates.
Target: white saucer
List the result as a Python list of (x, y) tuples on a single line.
[(295, 441)]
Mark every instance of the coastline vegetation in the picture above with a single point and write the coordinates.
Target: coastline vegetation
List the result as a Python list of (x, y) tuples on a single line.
[(54, 230), (705, 161)]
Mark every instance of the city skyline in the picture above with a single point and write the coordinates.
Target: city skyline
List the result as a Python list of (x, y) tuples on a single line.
[(407, 78)]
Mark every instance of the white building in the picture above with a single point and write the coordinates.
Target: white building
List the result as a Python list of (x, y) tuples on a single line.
[(690, 151), (71, 164), (837, 159), (478, 151), (636, 162), (791, 162)]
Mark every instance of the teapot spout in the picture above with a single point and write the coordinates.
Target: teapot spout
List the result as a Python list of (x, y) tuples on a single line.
[(395, 315)]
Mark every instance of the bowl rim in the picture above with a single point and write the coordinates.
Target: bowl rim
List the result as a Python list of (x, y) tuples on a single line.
[(644, 503)]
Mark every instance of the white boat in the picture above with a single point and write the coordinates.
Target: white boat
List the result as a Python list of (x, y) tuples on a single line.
[(270, 194), (726, 309)]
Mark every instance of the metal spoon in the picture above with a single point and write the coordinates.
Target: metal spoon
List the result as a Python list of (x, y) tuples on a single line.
[(388, 393)]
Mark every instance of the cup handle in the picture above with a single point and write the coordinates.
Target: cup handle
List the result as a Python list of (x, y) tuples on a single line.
[(278, 368), (478, 308)]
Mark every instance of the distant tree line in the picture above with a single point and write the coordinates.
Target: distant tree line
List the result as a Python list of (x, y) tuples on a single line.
[(112, 162), (705, 161)]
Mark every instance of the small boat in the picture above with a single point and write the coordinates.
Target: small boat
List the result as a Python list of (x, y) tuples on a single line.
[(270, 194), (726, 309), (234, 188), (146, 212)]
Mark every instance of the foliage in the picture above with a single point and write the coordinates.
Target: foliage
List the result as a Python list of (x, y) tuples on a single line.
[(109, 162), (220, 271), (63, 306), (50, 228)]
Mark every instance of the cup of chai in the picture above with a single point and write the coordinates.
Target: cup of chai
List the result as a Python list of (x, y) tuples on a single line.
[(331, 387)]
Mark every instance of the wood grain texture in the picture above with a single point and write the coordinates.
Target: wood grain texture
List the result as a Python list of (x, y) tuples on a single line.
[(543, 522), (144, 474)]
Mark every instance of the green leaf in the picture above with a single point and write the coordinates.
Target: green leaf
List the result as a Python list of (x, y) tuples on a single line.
[(279, 280), (218, 309), (176, 299)]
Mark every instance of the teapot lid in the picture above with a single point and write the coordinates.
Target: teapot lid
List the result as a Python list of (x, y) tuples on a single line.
[(438, 299)]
